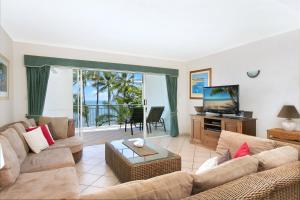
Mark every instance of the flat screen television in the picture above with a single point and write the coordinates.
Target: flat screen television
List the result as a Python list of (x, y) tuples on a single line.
[(221, 99)]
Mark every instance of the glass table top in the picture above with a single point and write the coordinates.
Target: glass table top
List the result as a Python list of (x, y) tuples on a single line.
[(134, 158)]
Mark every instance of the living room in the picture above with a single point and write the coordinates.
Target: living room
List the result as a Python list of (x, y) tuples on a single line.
[(252, 44)]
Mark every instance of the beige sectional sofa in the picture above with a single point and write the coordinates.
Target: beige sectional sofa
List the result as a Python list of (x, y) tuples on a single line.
[(49, 174), (242, 178)]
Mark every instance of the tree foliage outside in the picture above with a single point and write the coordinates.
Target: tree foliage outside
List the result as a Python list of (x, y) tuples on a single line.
[(122, 92)]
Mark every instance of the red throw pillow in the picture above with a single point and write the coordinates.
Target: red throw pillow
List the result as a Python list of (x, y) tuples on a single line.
[(46, 133), (30, 128), (242, 151)]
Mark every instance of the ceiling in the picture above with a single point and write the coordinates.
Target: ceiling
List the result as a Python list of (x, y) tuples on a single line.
[(170, 29)]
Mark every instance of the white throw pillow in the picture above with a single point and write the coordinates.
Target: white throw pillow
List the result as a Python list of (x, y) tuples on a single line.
[(207, 165), (36, 140)]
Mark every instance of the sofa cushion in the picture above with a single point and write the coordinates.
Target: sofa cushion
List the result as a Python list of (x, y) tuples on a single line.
[(276, 157), (262, 185), (74, 143), (29, 123), (46, 132), (16, 142), (11, 169), (232, 141), (282, 144), (175, 185), (53, 184), (36, 140), (224, 173), (60, 126), (208, 164), (46, 160), (20, 129), (51, 129), (244, 188), (223, 158)]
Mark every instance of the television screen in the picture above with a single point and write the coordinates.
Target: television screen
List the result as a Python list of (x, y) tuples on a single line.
[(221, 99)]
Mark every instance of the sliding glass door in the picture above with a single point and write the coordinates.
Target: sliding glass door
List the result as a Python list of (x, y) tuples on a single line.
[(107, 105), (157, 112)]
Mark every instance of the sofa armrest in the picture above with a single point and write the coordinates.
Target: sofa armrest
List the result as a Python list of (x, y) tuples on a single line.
[(173, 186), (71, 128), (282, 144)]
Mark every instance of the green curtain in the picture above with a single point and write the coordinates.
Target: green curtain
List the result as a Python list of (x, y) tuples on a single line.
[(37, 81), (172, 96)]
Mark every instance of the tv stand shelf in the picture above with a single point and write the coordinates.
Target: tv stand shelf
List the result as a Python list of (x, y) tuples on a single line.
[(207, 129)]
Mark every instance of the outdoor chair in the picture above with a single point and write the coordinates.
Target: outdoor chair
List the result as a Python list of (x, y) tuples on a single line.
[(154, 118), (137, 116)]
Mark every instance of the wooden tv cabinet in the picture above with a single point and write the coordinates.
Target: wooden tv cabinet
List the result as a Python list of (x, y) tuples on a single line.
[(206, 129)]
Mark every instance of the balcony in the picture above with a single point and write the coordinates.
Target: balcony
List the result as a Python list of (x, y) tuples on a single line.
[(103, 115), (108, 123)]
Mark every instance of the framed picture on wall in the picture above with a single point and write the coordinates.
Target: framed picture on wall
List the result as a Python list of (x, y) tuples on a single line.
[(3, 77), (198, 80)]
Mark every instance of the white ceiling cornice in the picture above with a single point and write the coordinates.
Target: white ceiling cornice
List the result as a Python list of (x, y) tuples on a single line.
[(177, 30)]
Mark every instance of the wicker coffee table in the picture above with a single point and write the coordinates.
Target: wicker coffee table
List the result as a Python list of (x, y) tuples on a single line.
[(129, 166)]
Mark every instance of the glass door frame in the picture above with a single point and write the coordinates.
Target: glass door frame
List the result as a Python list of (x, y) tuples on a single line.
[(80, 97), (146, 105), (144, 98), (79, 93)]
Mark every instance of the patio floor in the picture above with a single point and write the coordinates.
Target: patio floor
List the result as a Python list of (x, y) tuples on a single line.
[(100, 135)]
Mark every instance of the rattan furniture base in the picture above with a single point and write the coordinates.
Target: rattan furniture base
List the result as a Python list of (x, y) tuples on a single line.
[(127, 171)]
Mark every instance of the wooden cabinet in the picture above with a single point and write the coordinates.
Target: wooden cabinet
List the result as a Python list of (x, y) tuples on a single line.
[(197, 126), (279, 134), (231, 125), (207, 129)]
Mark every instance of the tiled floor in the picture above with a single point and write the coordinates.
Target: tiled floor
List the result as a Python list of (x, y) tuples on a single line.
[(94, 174), (99, 135)]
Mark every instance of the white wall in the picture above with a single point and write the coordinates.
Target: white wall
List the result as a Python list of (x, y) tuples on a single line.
[(6, 46), (156, 94), (59, 96), (278, 84), (19, 73)]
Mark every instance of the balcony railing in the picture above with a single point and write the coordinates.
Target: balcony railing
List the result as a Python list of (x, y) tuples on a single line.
[(103, 114)]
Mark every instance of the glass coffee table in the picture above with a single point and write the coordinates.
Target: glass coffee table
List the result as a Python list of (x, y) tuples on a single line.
[(128, 165)]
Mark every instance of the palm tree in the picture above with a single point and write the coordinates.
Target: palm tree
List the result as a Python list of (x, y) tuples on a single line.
[(96, 77), (127, 91), (107, 82), (226, 90), (120, 88)]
